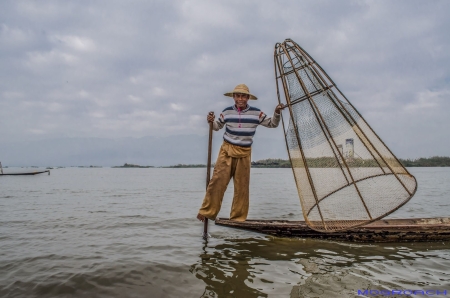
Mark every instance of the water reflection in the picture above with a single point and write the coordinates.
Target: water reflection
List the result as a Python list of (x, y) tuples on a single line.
[(266, 266), (225, 269)]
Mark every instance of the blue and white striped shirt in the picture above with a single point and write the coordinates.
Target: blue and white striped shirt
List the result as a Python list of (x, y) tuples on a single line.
[(241, 125)]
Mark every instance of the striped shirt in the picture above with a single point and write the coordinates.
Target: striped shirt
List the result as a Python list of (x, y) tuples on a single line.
[(240, 126)]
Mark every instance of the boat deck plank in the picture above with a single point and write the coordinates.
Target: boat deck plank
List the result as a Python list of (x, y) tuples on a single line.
[(385, 230)]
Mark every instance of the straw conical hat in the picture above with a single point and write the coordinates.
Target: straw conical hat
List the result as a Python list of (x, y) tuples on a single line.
[(241, 88)]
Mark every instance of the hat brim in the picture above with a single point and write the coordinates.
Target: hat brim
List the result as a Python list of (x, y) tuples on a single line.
[(230, 94)]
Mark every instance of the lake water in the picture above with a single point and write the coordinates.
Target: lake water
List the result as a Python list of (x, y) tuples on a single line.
[(103, 232)]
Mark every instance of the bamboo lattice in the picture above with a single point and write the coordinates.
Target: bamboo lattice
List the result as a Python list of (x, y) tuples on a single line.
[(345, 175)]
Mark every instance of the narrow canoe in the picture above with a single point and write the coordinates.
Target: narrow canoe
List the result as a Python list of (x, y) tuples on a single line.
[(27, 173), (385, 230)]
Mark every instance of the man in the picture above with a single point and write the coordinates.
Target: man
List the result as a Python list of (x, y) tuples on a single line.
[(234, 160)]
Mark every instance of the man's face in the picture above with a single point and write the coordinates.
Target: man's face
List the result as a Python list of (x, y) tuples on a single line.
[(241, 100)]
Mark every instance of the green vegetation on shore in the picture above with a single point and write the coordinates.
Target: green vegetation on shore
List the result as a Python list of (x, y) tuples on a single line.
[(318, 162), (325, 162), (435, 161), (129, 165), (187, 166), (322, 162), (90, 166), (271, 163)]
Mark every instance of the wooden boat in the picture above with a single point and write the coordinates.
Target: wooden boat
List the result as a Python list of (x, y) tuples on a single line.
[(385, 230), (26, 173), (21, 174)]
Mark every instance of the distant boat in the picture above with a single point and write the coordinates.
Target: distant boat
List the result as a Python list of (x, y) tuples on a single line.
[(21, 174), (26, 173)]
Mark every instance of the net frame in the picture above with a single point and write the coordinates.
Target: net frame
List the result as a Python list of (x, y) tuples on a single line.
[(297, 72)]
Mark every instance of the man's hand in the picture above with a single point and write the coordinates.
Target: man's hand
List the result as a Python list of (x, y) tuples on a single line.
[(210, 117), (278, 108)]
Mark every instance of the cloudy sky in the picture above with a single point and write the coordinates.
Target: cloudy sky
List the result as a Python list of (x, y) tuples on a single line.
[(115, 69)]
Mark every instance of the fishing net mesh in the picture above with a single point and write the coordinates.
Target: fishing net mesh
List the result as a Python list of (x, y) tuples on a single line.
[(345, 175)]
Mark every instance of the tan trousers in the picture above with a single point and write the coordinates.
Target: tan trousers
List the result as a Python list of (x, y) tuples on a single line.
[(232, 162)]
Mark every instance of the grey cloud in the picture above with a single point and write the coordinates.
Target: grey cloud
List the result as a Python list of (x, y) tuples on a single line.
[(154, 68)]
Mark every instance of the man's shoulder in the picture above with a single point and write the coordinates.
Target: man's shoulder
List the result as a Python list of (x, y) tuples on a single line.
[(254, 109), (230, 108)]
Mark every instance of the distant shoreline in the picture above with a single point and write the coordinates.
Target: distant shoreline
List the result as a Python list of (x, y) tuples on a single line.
[(323, 162), (435, 161), (129, 165)]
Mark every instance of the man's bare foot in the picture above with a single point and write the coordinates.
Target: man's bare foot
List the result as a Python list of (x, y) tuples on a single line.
[(201, 217)]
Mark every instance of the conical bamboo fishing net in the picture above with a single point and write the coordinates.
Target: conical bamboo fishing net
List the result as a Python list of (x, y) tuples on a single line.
[(345, 175)]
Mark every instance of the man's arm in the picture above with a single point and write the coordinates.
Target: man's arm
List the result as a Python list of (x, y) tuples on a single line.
[(217, 124), (271, 122)]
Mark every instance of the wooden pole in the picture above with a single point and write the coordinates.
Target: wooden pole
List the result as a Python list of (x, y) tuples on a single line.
[(1, 167), (208, 173)]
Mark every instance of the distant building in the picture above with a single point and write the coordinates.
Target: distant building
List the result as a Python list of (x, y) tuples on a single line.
[(349, 148)]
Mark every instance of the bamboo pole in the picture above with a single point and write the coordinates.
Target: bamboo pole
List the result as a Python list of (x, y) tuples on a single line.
[(208, 173)]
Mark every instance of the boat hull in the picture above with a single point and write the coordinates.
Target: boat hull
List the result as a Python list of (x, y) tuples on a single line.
[(25, 174), (385, 230)]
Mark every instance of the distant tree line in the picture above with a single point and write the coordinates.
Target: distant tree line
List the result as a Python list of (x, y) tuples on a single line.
[(187, 166), (130, 165), (271, 163), (331, 162), (317, 162), (435, 161), (325, 162)]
